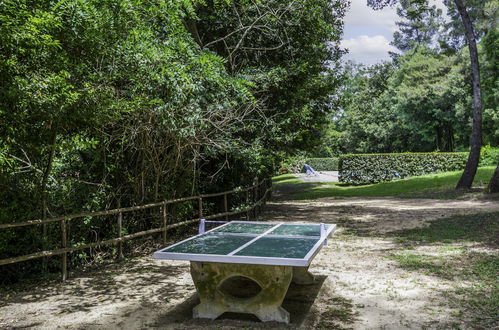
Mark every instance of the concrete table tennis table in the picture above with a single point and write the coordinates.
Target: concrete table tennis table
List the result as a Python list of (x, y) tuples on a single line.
[(272, 254)]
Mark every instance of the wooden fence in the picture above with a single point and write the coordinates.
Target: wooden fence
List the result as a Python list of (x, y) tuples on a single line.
[(255, 197)]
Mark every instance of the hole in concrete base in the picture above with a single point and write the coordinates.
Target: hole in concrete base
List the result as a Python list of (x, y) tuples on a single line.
[(240, 287)]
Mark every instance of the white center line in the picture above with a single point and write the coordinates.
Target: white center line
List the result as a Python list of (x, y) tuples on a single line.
[(253, 240)]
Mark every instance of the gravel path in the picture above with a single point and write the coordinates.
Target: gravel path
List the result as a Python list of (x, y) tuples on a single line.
[(322, 176)]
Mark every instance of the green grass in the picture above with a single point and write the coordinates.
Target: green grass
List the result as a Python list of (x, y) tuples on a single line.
[(477, 300), (479, 228), (338, 315), (285, 179), (428, 265), (440, 185)]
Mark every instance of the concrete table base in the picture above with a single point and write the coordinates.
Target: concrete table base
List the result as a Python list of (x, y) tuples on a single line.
[(274, 281), (301, 275)]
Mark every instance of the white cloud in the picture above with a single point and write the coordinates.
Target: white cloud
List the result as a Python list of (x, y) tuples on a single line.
[(368, 49), (439, 4), (360, 16), (367, 32)]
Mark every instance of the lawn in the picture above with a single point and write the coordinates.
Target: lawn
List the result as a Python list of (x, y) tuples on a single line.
[(439, 185)]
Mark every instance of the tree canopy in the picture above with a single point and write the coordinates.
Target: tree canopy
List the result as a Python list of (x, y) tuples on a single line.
[(124, 102)]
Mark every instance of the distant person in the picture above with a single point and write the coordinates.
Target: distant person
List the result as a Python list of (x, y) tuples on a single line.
[(309, 170)]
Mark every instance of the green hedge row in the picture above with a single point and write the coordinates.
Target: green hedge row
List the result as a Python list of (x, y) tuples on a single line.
[(489, 156), (373, 168), (323, 164)]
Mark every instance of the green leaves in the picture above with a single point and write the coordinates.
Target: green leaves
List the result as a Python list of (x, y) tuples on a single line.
[(373, 168)]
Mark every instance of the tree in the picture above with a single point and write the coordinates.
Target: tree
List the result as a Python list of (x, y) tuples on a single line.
[(490, 73), (491, 82), (466, 179), (419, 25), (428, 92), (454, 37), (103, 101), (468, 175), (494, 182), (124, 102), (367, 124), (289, 51)]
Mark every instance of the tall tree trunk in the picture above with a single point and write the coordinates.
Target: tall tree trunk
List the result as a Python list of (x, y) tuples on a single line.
[(450, 133), (439, 138), (476, 134), (494, 182)]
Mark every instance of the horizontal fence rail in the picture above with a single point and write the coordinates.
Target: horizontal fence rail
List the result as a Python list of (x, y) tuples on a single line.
[(255, 197)]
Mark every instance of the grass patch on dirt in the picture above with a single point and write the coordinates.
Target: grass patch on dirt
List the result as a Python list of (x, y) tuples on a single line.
[(440, 186), (338, 315), (428, 264), (475, 275), (481, 228)]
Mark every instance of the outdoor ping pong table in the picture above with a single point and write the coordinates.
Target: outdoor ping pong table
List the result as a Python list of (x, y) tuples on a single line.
[(272, 254)]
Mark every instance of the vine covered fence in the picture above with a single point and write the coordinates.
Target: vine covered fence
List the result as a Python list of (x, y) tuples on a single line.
[(251, 200)]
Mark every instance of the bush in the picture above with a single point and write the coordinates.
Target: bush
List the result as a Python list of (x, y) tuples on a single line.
[(292, 165), (323, 164), (373, 168), (489, 156)]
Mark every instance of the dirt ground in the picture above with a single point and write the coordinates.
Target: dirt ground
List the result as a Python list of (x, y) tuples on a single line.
[(357, 287)]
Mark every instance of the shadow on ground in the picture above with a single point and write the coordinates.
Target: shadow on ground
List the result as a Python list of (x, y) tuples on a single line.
[(382, 215), (102, 285), (285, 192), (298, 302), (480, 228)]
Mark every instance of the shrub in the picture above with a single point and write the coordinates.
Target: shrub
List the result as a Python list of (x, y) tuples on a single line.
[(291, 165), (373, 168), (323, 164), (489, 156)]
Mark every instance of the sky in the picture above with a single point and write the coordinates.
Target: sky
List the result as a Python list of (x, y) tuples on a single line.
[(368, 33)]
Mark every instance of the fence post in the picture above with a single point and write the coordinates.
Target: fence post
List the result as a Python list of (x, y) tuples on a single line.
[(120, 234), (65, 254), (265, 187), (200, 206), (226, 207), (165, 220)]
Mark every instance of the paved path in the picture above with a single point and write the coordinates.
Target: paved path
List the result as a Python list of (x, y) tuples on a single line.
[(322, 176)]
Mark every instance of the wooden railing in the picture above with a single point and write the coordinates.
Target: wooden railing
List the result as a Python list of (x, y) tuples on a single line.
[(255, 197)]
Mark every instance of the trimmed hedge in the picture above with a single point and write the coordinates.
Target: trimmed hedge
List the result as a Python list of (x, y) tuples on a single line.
[(323, 164), (373, 168), (489, 156)]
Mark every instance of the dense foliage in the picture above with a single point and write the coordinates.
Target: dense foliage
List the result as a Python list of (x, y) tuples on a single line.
[(121, 102), (373, 168), (422, 100)]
